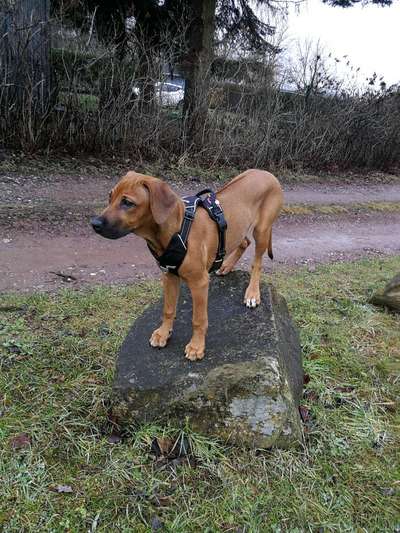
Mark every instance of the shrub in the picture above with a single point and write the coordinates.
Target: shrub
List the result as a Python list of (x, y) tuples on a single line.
[(101, 103)]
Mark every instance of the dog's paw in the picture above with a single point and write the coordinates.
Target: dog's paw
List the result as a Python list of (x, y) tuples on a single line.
[(224, 270), (194, 352), (252, 298), (226, 267), (159, 338)]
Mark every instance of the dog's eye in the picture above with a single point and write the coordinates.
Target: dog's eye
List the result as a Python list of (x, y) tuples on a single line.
[(127, 203)]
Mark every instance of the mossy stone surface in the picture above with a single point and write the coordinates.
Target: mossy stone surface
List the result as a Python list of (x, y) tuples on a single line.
[(247, 388), (390, 297)]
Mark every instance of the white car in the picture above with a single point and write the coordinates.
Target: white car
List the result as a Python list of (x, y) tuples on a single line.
[(169, 94)]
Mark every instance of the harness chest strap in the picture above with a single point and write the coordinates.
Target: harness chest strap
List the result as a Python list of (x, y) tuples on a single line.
[(215, 212), (173, 257)]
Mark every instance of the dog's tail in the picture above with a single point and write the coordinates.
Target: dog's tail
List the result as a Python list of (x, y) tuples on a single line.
[(270, 254)]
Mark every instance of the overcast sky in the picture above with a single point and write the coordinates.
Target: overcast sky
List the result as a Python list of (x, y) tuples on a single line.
[(369, 35)]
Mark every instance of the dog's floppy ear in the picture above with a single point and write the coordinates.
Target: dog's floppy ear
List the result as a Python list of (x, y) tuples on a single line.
[(162, 199)]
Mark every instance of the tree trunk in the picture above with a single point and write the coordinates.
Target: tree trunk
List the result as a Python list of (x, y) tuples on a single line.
[(110, 20), (25, 55), (197, 66)]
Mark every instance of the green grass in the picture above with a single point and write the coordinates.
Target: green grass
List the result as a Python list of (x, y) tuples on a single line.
[(57, 356), (82, 102), (344, 209)]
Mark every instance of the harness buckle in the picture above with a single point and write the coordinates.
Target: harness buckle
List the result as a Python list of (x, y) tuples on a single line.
[(167, 269), (189, 214)]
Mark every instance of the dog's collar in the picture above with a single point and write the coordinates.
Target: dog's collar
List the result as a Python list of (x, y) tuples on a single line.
[(175, 253)]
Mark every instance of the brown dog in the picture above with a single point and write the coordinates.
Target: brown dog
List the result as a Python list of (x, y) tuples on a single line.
[(149, 208)]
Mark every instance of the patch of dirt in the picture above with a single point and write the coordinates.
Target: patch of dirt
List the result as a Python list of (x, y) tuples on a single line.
[(42, 257), (46, 241)]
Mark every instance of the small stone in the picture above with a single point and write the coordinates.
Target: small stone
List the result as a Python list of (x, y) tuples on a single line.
[(63, 489), (114, 439), (388, 491), (156, 524)]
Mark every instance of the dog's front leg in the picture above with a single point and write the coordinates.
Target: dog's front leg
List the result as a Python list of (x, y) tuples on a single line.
[(199, 290), (160, 336)]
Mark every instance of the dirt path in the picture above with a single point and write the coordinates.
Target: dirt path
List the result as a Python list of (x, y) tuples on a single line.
[(41, 251), (30, 259), (337, 193)]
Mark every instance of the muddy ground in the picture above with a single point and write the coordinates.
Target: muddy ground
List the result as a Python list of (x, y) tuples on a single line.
[(46, 241)]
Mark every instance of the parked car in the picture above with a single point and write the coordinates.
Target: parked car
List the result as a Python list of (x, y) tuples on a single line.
[(169, 94), (166, 94)]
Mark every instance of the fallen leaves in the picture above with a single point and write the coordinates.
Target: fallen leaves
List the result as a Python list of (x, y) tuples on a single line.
[(304, 413), (169, 448), (162, 446), (20, 442)]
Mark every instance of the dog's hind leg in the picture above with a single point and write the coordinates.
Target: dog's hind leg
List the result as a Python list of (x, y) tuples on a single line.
[(262, 237), (233, 258), (160, 336)]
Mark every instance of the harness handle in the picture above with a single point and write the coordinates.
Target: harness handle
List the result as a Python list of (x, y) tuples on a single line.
[(204, 191)]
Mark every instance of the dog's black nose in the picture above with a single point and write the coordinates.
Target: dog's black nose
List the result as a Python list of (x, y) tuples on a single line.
[(97, 223)]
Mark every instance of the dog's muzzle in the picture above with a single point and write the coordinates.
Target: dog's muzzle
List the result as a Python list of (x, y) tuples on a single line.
[(105, 229)]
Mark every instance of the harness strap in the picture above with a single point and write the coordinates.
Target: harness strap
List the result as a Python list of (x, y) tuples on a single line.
[(214, 210), (191, 203), (173, 257)]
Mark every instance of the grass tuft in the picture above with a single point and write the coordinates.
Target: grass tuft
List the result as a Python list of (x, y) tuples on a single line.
[(335, 209)]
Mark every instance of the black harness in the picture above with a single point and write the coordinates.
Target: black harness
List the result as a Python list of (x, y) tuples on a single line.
[(173, 257)]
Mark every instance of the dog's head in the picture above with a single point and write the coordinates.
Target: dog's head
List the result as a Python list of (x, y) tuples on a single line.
[(136, 203)]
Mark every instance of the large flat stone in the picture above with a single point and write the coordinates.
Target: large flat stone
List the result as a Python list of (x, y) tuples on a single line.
[(246, 389)]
